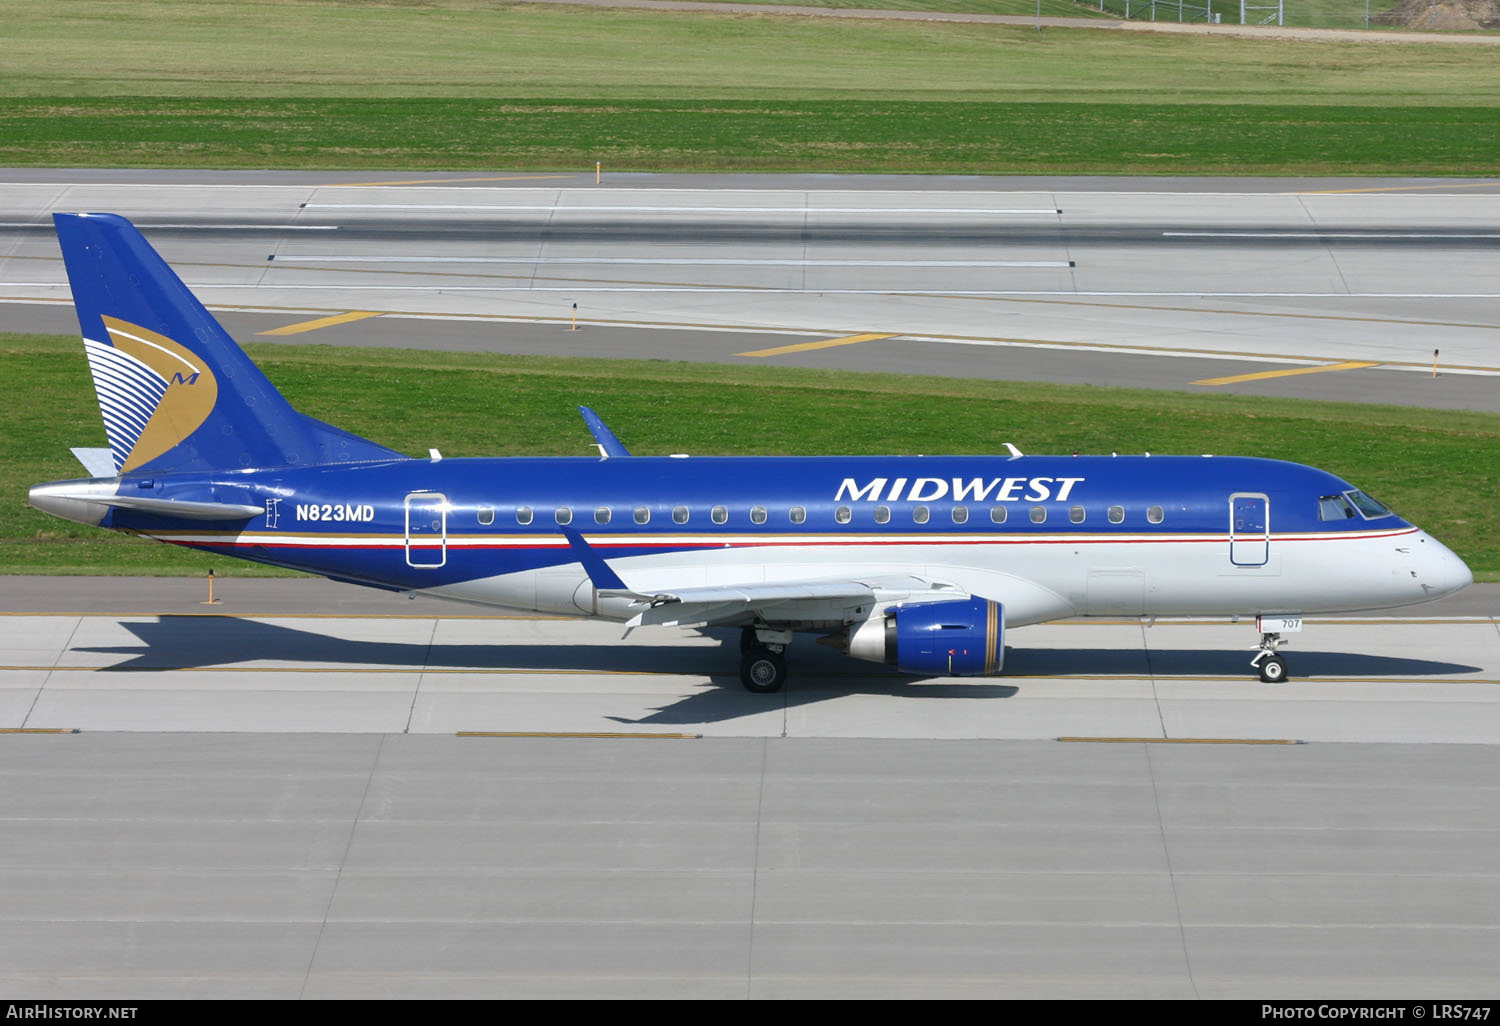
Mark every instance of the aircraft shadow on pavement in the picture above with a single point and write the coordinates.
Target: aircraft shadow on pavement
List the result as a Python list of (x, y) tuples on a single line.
[(178, 642), (1302, 664)]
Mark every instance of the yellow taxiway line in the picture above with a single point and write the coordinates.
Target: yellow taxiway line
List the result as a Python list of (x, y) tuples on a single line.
[(322, 322), (827, 343), (1395, 188), (1237, 378)]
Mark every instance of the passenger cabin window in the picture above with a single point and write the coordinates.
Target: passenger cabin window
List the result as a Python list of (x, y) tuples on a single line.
[(679, 514), (642, 515), (486, 516), (719, 515), (1335, 507), (1154, 514), (564, 514), (523, 515), (997, 514), (1039, 514), (960, 514), (1117, 514), (757, 514), (602, 515), (1076, 514), (842, 514), (921, 514), (882, 514), (797, 515)]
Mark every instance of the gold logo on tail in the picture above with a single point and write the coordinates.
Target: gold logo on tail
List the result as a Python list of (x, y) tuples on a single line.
[(191, 389)]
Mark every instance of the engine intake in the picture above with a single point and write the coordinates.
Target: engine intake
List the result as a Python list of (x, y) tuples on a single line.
[(963, 637)]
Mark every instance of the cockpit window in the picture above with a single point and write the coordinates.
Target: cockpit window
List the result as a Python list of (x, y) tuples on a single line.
[(1334, 507), (1367, 506)]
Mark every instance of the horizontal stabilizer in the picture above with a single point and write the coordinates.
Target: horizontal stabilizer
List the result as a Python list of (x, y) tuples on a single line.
[(185, 508), (87, 501), (98, 462)]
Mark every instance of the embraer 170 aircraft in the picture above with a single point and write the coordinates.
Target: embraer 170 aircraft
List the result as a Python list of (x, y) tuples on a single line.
[(921, 562)]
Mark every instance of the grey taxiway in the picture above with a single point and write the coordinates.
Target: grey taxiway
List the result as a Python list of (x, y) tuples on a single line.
[(306, 790)]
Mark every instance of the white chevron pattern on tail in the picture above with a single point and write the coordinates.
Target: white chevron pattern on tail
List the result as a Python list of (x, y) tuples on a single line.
[(128, 391)]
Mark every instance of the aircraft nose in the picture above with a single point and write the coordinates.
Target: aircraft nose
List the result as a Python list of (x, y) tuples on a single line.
[(1440, 572)]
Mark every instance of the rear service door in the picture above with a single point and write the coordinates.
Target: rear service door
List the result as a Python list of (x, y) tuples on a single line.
[(1249, 529), (426, 529)]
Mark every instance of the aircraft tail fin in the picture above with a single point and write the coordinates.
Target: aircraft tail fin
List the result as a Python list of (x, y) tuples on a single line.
[(175, 391)]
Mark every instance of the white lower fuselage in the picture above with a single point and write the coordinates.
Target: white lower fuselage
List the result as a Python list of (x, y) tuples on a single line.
[(1036, 577)]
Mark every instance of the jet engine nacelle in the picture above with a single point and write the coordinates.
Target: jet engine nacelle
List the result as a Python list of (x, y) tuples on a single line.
[(962, 637)]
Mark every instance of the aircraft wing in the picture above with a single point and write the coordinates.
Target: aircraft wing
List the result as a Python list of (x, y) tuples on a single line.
[(792, 601)]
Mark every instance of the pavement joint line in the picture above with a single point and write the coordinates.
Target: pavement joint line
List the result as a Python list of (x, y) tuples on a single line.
[(1059, 299), (1183, 740), (1235, 379), (323, 322)]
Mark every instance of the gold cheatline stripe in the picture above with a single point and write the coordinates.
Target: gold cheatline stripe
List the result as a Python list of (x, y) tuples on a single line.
[(827, 343), (38, 730), (575, 734), (1182, 740), (323, 322), (1235, 379)]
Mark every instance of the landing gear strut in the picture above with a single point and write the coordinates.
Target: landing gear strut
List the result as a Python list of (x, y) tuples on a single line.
[(1271, 665), (762, 666)]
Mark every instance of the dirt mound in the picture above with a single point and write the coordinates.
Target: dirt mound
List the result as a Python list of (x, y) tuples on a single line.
[(1444, 15)]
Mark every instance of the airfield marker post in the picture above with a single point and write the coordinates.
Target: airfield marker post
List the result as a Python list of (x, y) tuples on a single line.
[(211, 600), (575, 318)]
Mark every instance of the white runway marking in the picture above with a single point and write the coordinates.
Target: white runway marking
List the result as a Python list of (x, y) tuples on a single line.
[(1330, 235), (197, 227), (671, 261), (557, 208), (649, 289)]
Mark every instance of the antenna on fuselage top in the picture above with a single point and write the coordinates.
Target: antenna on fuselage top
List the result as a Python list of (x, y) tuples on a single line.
[(1015, 453)]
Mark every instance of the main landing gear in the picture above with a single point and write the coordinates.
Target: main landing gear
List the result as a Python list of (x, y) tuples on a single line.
[(1268, 661), (762, 666)]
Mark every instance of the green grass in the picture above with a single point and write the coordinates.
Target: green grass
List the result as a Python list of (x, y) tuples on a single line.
[(1440, 469), (891, 136), (464, 85), (252, 48), (1014, 8)]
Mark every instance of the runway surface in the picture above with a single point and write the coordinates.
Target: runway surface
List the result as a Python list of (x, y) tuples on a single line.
[(1343, 289), (316, 791), (262, 660), (402, 799)]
